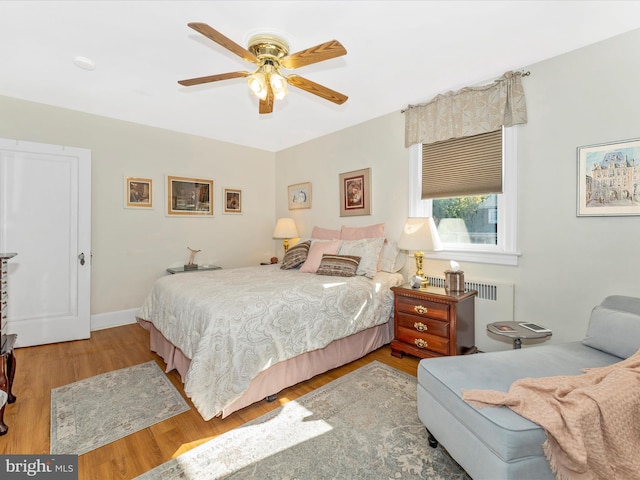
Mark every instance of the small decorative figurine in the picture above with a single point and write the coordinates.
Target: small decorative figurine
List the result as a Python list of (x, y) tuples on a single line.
[(192, 257)]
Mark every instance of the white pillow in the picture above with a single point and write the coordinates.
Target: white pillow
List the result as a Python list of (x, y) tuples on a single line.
[(368, 249), (391, 260)]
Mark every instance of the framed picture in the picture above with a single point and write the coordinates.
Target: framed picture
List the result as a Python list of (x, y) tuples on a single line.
[(609, 179), (189, 196), (300, 196), (355, 193), (232, 200), (138, 192)]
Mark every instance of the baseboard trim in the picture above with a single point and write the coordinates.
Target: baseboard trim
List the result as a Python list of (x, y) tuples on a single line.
[(113, 319)]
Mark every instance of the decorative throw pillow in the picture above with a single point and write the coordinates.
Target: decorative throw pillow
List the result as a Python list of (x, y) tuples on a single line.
[(613, 331), (358, 233), (318, 248), (325, 234), (338, 265), (391, 260), (368, 249), (296, 255)]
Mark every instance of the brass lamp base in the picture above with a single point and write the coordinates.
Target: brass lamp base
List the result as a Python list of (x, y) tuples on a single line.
[(419, 256), (285, 244)]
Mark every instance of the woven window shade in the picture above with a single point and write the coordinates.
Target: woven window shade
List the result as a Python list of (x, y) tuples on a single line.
[(463, 166)]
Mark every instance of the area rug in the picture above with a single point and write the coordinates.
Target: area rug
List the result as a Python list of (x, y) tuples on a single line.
[(362, 425), (88, 414)]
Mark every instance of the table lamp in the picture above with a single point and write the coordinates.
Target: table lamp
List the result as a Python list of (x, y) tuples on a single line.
[(420, 235), (285, 229)]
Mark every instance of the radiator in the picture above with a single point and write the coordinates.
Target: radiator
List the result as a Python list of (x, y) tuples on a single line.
[(494, 303)]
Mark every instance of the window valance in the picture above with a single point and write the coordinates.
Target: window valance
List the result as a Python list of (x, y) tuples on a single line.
[(467, 112)]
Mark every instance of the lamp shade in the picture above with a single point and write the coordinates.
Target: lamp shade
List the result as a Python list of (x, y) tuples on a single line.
[(420, 234), (285, 228)]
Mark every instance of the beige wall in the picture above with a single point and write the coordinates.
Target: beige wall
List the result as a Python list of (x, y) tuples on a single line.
[(133, 247), (377, 144), (568, 263)]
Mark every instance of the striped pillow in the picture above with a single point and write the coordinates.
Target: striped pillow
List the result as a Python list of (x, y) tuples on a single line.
[(338, 265), (295, 256)]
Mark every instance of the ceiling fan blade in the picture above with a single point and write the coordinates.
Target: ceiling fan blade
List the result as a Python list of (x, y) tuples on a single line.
[(319, 53), (223, 41), (212, 78), (266, 105), (317, 89)]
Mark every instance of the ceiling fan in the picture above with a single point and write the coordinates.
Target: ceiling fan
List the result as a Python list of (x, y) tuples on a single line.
[(270, 53)]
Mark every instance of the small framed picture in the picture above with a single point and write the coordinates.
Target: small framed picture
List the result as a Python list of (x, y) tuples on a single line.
[(299, 196), (232, 200), (609, 179), (355, 193), (138, 192), (189, 196)]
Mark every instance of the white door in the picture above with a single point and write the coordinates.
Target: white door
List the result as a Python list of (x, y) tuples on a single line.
[(45, 217)]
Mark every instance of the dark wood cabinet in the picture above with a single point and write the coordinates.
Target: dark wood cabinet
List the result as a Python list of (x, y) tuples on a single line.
[(432, 322), (7, 358)]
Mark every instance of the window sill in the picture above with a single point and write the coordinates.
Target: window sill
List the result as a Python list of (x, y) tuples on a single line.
[(495, 258)]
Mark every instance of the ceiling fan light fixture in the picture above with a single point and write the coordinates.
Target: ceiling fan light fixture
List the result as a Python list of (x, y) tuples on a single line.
[(270, 53), (278, 85), (258, 84)]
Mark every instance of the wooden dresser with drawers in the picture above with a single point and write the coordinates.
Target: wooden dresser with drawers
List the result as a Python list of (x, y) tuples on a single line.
[(7, 358), (433, 322)]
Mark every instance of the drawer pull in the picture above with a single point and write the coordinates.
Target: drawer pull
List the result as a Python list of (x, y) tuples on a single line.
[(421, 327), (420, 343), (420, 309)]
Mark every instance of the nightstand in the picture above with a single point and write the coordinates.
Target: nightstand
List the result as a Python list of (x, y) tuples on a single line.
[(199, 269), (432, 322)]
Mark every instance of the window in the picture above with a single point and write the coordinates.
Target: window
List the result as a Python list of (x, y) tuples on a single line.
[(479, 227)]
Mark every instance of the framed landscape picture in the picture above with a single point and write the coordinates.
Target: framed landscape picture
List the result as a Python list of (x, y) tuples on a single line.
[(299, 196), (138, 192), (232, 200), (609, 179), (355, 193), (189, 196)]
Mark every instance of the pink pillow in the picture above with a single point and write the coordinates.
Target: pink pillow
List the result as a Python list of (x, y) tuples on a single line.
[(325, 234), (358, 233), (316, 251)]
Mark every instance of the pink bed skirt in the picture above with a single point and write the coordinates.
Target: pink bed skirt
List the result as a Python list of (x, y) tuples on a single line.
[(283, 374)]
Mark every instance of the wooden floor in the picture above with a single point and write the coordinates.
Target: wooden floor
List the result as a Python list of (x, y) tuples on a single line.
[(41, 368)]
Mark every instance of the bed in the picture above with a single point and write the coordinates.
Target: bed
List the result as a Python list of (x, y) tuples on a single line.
[(237, 336)]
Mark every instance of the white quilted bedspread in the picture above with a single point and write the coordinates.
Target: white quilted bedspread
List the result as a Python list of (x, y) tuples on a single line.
[(235, 323)]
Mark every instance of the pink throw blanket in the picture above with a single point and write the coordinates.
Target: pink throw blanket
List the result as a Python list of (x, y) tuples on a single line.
[(592, 421)]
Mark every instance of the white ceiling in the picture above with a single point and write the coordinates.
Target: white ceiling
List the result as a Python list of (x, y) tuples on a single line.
[(399, 53)]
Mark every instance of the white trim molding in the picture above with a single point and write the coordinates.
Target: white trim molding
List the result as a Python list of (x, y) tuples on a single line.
[(113, 319)]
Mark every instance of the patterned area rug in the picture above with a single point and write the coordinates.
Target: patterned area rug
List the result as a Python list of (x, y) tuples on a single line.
[(90, 413), (362, 425)]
